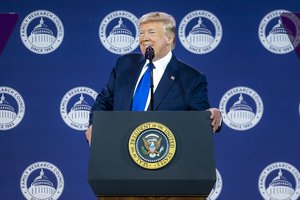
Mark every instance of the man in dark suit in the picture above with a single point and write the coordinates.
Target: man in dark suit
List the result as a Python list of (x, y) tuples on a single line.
[(177, 86)]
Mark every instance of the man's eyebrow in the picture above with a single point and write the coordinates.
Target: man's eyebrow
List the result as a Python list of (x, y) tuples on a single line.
[(150, 29)]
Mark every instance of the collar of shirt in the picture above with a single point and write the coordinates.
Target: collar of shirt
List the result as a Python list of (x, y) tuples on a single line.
[(158, 71), (160, 66)]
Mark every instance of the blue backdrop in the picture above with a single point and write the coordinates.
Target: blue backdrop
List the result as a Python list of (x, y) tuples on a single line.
[(60, 54)]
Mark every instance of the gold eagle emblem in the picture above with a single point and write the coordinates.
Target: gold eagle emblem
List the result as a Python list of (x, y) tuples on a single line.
[(153, 147)]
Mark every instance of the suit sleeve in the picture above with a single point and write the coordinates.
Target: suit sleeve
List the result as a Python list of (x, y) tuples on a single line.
[(104, 100), (198, 97)]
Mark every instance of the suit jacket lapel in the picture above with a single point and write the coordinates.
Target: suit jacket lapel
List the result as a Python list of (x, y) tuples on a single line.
[(168, 79), (132, 77)]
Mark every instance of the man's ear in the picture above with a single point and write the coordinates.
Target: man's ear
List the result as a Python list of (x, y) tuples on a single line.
[(170, 38)]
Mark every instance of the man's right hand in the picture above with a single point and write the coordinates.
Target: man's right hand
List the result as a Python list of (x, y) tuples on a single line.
[(88, 134)]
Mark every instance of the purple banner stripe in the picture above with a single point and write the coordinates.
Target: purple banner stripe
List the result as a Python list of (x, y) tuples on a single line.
[(291, 24), (7, 23)]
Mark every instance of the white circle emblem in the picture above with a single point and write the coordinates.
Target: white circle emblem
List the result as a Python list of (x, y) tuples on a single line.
[(12, 108), (118, 32), (240, 114), (42, 181), (42, 32), (279, 181), (215, 192), (75, 107), (275, 36), (299, 109), (196, 35)]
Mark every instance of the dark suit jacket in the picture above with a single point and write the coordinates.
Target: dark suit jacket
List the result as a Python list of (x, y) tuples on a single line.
[(180, 88)]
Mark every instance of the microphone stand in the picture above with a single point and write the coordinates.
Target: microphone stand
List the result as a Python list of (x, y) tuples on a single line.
[(149, 54), (151, 86)]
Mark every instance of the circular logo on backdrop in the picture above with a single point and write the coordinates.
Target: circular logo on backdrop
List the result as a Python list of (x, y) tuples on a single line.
[(118, 32), (200, 31), (275, 36), (75, 107), (241, 108), (215, 192), (42, 32), (299, 109), (279, 181), (152, 145), (12, 108), (42, 181)]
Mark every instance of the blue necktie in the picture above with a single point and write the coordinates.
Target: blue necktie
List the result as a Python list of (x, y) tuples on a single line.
[(142, 92)]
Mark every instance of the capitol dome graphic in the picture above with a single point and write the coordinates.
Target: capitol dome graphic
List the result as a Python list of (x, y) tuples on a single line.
[(241, 112), (7, 112), (280, 188), (280, 36), (200, 36), (42, 187), (80, 111), (120, 36), (42, 36)]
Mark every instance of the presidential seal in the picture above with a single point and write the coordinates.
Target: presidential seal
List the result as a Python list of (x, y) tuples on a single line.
[(12, 108), (200, 32), (118, 32), (152, 145), (42, 32), (279, 181), (42, 181)]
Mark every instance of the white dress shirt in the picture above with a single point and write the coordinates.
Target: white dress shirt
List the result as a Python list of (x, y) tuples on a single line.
[(158, 71)]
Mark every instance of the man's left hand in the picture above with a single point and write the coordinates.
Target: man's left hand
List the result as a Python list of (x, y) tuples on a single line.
[(216, 117)]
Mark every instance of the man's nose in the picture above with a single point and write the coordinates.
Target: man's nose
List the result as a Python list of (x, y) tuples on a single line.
[(145, 37)]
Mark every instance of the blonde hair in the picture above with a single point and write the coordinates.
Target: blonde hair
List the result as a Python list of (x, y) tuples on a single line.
[(168, 21)]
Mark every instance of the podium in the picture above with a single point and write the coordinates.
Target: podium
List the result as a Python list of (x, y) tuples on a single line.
[(114, 174)]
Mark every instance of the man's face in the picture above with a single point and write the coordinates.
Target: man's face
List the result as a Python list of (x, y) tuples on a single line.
[(153, 34)]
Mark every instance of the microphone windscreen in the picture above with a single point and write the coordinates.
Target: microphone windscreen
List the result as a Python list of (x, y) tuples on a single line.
[(149, 53)]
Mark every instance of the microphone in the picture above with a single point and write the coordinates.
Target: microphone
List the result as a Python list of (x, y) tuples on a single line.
[(149, 53)]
